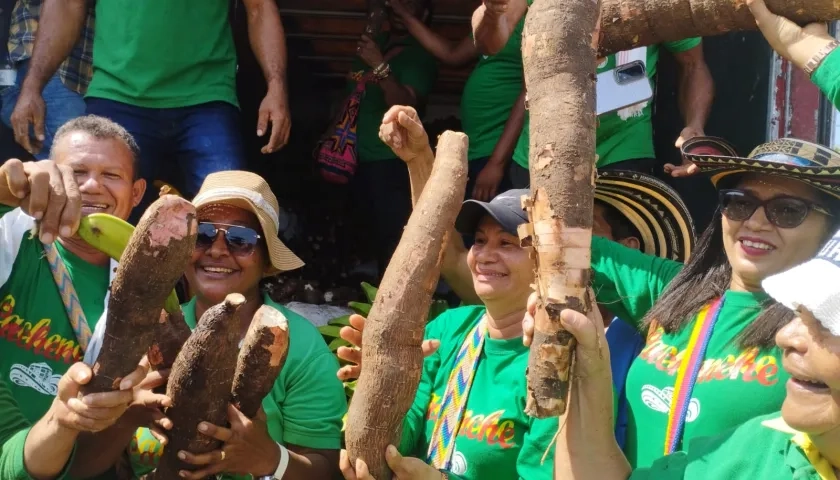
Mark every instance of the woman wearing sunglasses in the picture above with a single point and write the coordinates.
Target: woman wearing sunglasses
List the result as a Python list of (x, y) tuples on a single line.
[(710, 362), (297, 435), (800, 442)]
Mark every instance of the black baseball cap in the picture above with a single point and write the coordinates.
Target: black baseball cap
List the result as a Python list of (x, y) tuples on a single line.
[(505, 208)]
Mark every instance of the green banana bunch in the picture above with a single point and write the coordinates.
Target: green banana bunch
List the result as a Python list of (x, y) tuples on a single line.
[(110, 235)]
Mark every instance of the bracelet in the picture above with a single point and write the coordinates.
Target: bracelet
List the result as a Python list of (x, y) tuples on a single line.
[(281, 467), (382, 71), (818, 58)]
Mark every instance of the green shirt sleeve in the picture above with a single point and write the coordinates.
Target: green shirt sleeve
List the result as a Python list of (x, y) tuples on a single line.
[(414, 423), (827, 77), (682, 45), (672, 467), (315, 404), (13, 432), (628, 282)]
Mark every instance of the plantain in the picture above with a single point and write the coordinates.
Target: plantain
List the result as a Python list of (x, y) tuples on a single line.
[(109, 235)]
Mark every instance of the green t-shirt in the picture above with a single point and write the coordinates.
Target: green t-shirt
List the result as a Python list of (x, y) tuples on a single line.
[(13, 432), (729, 374), (618, 139), (163, 54), (496, 438), (305, 406), (413, 66), (761, 449), (827, 77), (489, 94), (37, 342)]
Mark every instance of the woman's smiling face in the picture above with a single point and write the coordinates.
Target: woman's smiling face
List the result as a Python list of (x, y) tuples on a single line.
[(215, 271), (501, 269)]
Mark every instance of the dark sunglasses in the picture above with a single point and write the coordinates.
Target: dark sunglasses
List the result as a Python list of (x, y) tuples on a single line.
[(240, 240), (783, 211)]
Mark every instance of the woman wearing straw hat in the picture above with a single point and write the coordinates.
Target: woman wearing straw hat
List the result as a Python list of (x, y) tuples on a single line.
[(299, 435), (484, 433), (799, 442), (710, 325)]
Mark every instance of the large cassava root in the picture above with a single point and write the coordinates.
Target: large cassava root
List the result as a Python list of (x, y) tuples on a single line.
[(200, 384), (156, 256), (559, 64), (626, 24), (391, 357), (261, 358)]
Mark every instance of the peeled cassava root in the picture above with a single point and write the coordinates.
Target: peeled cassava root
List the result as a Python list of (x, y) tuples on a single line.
[(200, 384), (559, 63), (261, 358), (391, 357), (156, 256), (626, 24)]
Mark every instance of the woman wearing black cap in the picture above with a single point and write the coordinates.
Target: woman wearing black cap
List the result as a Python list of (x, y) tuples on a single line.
[(493, 438)]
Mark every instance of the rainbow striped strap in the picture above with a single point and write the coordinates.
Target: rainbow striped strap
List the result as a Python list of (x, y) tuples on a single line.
[(689, 368), (68, 296), (455, 399)]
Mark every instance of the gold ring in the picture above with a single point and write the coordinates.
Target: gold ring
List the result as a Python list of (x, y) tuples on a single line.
[(223, 456)]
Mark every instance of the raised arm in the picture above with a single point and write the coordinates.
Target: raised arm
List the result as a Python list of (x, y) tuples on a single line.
[(60, 25), (402, 131), (447, 51), (696, 92), (494, 21)]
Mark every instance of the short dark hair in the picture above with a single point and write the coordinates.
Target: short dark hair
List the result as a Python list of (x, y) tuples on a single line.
[(101, 128), (620, 225)]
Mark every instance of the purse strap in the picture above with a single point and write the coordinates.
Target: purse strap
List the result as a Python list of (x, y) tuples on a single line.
[(455, 398), (68, 296)]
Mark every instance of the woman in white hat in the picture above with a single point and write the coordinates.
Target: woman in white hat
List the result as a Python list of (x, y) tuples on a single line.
[(300, 434), (802, 441)]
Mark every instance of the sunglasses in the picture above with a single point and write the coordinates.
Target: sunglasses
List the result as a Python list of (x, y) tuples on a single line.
[(783, 211), (241, 241)]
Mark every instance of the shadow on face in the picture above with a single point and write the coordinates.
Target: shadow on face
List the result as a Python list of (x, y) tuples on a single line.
[(215, 270), (812, 358), (502, 271), (756, 248), (104, 171)]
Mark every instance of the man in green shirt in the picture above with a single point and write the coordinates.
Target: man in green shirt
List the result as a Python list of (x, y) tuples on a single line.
[(403, 73), (93, 171), (625, 138), (166, 71)]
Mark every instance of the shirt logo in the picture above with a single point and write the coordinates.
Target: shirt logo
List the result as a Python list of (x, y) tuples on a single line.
[(38, 376), (458, 464), (660, 401)]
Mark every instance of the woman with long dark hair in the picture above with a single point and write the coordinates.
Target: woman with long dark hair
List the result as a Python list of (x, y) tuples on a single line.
[(710, 361)]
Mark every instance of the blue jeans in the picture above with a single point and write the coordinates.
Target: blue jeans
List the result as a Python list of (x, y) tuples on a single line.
[(62, 104), (201, 139)]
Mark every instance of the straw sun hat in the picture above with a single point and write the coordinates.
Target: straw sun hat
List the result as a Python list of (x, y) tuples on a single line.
[(251, 192)]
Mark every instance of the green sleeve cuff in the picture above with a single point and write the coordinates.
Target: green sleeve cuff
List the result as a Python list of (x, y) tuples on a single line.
[(14, 467), (827, 77)]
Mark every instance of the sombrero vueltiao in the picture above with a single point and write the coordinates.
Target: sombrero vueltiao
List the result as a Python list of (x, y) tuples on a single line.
[(807, 162), (653, 207)]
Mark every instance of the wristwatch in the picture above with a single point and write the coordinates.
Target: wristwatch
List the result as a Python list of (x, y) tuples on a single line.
[(818, 58)]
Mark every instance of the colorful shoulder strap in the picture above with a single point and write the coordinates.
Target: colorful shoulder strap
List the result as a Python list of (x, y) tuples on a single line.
[(68, 296), (455, 399), (689, 368)]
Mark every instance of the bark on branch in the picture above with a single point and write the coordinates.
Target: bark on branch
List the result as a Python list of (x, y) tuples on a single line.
[(559, 63), (627, 24), (391, 357)]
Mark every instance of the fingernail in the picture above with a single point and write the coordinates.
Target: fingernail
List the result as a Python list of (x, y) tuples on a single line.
[(259, 133), (65, 231), (125, 384), (182, 474), (46, 237), (202, 427), (38, 215), (182, 455), (391, 450)]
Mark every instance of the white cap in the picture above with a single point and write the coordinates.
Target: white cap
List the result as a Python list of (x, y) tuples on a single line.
[(814, 285)]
